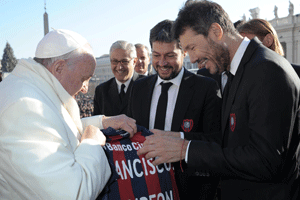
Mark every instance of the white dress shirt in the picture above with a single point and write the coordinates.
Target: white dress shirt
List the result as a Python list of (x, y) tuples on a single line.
[(120, 84), (172, 97)]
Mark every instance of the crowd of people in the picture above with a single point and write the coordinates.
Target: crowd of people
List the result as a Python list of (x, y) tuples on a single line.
[(232, 136), (86, 105)]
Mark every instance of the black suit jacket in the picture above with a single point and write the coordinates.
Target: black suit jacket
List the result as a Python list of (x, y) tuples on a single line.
[(198, 105), (198, 100), (296, 68), (259, 156), (107, 101), (205, 72)]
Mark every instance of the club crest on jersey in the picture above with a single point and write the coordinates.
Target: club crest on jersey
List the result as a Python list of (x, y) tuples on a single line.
[(187, 125), (232, 121)]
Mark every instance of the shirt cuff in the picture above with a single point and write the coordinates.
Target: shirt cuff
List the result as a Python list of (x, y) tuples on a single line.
[(187, 152), (94, 120), (181, 135)]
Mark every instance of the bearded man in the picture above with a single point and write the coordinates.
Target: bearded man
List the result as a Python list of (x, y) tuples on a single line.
[(259, 154), (175, 99)]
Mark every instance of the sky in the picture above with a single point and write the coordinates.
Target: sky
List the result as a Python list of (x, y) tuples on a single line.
[(102, 22)]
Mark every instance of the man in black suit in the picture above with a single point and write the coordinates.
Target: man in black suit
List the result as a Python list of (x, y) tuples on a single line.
[(111, 97), (192, 103), (259, 154)]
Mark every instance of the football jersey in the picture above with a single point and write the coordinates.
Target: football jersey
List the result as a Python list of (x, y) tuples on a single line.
[(134, 177)]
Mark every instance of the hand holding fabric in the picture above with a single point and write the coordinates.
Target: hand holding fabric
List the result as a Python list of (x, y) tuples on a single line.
[(164, 149), (120, 122)]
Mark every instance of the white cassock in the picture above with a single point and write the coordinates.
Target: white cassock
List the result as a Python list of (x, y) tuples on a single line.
[(40, 154)]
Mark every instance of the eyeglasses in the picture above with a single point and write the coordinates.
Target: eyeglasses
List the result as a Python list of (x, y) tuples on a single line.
[(123, 62)]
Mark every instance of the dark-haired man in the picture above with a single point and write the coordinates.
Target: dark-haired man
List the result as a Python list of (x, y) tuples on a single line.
[(191, 104), (259, 154)]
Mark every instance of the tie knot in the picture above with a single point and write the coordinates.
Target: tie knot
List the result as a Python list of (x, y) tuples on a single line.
[(122, 87), (165, 86), (229, 75)]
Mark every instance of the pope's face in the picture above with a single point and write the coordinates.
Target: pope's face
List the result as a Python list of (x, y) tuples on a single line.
[(77, 73)]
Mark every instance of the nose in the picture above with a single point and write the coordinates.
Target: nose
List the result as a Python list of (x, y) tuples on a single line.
[(193, 58), (85, 87), (162, 62), (119, 66)]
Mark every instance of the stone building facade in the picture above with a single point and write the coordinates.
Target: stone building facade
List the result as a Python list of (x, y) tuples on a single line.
[(288, 31)]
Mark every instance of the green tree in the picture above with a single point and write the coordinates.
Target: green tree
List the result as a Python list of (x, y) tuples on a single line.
[(8, 61)]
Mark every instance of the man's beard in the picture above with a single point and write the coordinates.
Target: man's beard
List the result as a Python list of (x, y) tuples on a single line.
[(172, 75), (222, 56)]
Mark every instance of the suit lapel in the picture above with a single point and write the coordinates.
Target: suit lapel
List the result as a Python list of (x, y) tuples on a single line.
[(184, 97), (113, 92), (236, 82)]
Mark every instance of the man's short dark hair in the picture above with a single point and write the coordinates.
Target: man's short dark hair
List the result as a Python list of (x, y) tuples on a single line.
[(161, 32), (199, 16), (238, 23)]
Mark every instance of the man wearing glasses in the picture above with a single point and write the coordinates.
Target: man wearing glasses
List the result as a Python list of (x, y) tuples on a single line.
[(111, 97)]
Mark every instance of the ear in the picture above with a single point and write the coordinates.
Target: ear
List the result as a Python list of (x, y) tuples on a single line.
[(215, 32), (268, 40), (135, 61), (57, 68)]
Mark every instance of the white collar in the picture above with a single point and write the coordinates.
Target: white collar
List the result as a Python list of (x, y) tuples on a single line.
[(239, 55), (175, 81), (126, 83), (146, 73)]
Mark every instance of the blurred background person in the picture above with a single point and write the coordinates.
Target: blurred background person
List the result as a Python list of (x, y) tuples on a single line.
[(266, 33), (143, 66)]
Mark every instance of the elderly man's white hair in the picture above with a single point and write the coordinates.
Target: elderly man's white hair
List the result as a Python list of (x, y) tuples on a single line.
[(121, 44)]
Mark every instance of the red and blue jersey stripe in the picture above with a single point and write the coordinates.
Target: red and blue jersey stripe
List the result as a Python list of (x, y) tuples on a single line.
[(134, 177)]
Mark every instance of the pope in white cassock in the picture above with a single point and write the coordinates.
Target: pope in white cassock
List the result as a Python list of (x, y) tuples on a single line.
[(46, 150)]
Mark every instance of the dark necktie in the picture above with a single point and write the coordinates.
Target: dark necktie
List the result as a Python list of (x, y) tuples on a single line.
[(122, 92), (226, 89), (162, 106)]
